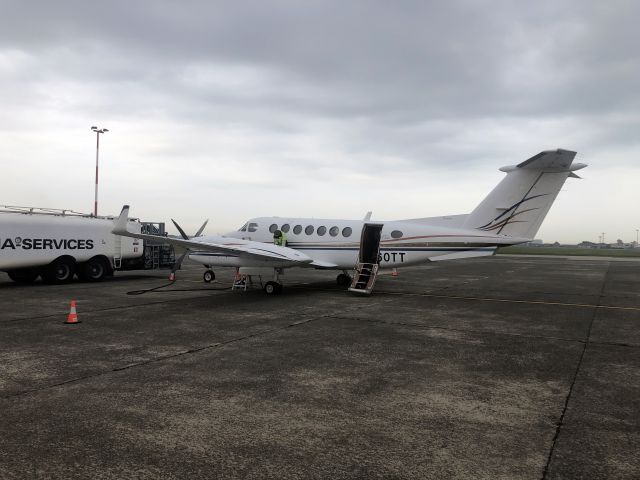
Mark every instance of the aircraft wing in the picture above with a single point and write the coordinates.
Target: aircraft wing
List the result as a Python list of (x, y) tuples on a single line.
[(253, 250), (322, 264)]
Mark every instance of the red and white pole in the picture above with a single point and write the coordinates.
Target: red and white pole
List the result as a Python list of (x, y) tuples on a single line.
[(95, 205), (98, 132)]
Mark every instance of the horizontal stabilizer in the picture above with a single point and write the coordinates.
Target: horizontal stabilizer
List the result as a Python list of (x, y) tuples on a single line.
[(465, 254), (549, 161)]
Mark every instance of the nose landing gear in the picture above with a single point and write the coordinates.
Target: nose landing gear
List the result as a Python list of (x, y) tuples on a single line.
[(209, 276)]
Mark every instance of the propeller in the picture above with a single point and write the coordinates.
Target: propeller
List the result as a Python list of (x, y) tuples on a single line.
[(178, 262), (201, 229)]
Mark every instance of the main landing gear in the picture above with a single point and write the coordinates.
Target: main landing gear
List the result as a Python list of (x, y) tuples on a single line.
[(244, 277), (274, 287), (344, 279)]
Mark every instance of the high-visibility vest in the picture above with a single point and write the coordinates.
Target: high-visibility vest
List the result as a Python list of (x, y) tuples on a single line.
[(281, 241)]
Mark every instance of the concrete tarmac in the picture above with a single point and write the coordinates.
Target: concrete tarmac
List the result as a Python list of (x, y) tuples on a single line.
[(500, 368)]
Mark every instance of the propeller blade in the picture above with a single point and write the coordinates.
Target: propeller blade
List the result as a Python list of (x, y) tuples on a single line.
[(201, 229), (178, 263), (184, 235)]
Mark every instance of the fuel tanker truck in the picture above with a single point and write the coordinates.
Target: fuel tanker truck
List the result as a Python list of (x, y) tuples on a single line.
[(57, 245)]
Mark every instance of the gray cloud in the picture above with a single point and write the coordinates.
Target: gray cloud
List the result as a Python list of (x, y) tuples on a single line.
[(315, 88)]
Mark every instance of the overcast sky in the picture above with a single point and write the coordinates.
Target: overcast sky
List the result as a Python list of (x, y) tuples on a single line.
[(230, 110)]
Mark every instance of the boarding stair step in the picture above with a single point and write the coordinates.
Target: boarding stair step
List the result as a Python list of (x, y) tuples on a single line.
[(364, 278)]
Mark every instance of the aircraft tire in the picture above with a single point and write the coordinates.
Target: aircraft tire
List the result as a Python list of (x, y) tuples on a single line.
[(272, 288), (209, 276), (343, 280)]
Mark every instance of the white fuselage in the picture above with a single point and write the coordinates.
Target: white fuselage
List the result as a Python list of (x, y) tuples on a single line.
[(335, 243)]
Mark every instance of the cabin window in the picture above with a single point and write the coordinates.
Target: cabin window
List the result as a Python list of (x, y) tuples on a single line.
[(333, 231), (309, 229), (252, 227), (346, 232), (321, 230), (396, 234), (297, 229), (285, 228), (273, 227)]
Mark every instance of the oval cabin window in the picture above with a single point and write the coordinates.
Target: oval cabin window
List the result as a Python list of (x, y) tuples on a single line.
[(321, 230), (309, 229), (297, 229), (396, 234), (274, 227), (346, 232), (333, 231), (285, 228)]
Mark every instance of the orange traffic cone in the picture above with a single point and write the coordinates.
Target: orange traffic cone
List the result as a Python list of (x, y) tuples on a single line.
[(73, 316), (394, 273)]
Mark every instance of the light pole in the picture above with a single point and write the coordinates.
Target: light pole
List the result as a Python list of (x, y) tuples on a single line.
[(602, 238), (98, 132), (637, 238)]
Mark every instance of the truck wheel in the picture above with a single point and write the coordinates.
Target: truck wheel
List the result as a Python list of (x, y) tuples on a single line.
[(58, 271), (23, 275), (93, 270)]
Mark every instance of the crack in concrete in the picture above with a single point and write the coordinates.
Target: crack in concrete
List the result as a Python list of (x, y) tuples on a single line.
[(560, 422), (181, 353)]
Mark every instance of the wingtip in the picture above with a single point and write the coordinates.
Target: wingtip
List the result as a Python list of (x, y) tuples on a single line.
[(120, 227)]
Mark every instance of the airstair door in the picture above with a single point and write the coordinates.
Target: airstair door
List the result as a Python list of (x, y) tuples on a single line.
[(367, 268)]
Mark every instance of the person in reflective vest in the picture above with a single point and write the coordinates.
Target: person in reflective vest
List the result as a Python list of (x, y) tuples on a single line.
[(279, 238)]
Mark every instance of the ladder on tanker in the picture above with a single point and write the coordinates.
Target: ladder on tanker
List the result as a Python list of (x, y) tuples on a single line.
[(117, 254), (366, 270), (155, 256)]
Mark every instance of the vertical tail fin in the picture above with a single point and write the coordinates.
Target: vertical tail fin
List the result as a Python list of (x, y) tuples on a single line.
[(520, 202)]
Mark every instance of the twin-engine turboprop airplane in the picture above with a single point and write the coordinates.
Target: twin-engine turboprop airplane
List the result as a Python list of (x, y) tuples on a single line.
[(509, 215)]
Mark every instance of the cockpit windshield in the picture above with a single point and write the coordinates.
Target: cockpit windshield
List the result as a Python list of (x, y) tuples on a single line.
[(244, 227)]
